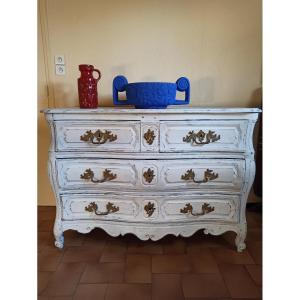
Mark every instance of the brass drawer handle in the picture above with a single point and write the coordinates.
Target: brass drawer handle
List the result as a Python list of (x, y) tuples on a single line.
[(208, 175), (188, 209), (110, 208), (101, 137), (149, 136), (202, 137), (107, 176), (149, 208)]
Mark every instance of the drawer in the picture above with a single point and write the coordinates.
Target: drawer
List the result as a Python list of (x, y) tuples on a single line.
[(204, 174), (202, 207), (190, 174), (157, 208), (78, 207), (121, 136), (204, 135), (96, 174)]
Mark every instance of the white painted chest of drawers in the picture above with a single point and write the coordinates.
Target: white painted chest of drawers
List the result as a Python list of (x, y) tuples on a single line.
[(152, 172)]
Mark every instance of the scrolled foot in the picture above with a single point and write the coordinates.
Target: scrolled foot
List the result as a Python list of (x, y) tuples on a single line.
[(241, 247), (59, 242), (240, 238)]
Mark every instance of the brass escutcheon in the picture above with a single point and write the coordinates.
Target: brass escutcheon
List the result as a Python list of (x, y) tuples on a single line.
[(99, 136), (107, 176), (149, 208), (149, 175), (208, 175), (202, 137), (188, 209), (110, 208), (149, 136)]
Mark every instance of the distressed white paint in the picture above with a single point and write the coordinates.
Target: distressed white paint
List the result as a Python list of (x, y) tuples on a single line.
[(232, 157)]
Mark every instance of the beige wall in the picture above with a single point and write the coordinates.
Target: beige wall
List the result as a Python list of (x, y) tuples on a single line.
[(215, 43)]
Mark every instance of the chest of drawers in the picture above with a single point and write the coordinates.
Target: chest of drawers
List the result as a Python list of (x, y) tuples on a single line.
[(151, 172)]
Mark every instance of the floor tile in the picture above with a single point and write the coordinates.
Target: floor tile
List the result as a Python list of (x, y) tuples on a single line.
[(103, 273), (73, 238), (90, 292), (203, 262), (114, 251), (64, 281), (166, 286), (48, 213), (144, 247), (45, 225), (230, 256), (255, 272), (138, 268), (171, 263), (96, 237), (82, 254), (49, 259), (128, 291), (239, 282), (255, 250), (254, 234), (43, 279), (45, 239), (174, 245), (200, 240), (204, 285)]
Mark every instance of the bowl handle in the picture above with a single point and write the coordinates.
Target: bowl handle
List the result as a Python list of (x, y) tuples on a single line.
[(119, 84), (183, 85)]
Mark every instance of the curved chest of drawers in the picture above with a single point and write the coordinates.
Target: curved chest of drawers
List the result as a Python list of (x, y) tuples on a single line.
[(151, 172)]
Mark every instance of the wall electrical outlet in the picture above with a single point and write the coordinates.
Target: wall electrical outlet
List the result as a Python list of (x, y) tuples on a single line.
[(59, 59), (60, 69)]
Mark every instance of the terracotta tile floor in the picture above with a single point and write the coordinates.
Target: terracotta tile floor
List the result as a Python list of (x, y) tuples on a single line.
[(96, 266)]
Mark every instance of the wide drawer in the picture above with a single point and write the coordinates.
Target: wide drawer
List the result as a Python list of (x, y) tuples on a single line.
[(101, 174), (121, 136), (204, 135), (156, 208)]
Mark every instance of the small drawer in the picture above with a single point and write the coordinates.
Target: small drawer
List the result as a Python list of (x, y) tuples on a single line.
[(204, 174), (204, 135), (91, 174), (79, 207), (202, 207), (119, 136)]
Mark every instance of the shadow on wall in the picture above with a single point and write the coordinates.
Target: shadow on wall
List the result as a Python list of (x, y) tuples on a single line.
[(256, 98)]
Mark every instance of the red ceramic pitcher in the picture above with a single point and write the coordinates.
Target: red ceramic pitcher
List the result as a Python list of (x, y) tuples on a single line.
[(87, 87)]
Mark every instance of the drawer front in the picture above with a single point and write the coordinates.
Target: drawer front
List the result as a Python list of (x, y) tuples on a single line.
[(78, 207), (205, 135), (204, 174), (158, 208), (207, 175), (98, 136), (96, 174), (202, 207)]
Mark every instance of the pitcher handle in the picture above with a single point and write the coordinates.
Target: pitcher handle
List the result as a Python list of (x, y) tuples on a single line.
[(183, 85), (99, 74), (119, 84)]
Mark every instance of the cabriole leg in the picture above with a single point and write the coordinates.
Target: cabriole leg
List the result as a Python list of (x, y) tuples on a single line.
[(240, 238), (58, 234)]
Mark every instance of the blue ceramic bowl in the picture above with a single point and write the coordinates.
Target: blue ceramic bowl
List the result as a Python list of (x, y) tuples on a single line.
[(150, 94)]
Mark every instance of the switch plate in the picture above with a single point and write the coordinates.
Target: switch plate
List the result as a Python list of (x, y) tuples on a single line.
[(59, 59), (60, 70)]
